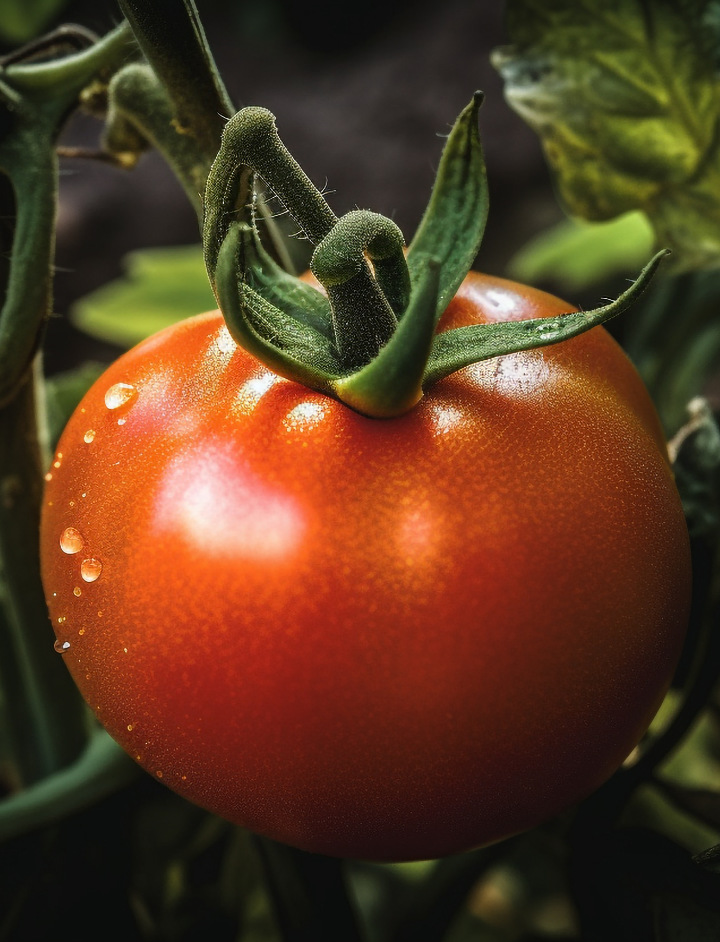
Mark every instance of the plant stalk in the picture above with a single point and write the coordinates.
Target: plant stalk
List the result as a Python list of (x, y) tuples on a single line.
[(45, 716)]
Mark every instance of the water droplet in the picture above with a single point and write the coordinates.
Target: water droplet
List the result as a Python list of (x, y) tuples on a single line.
[(159, 773), (56, 464), (130, 727), (77, 591), (62, 647), (89, 436), (61, 620), (548, 328), (121, 421), (121, 394), (81, 631), (90, 569), (71, 541), (48, 476)]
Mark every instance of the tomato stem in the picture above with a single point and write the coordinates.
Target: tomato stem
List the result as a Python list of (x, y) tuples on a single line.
[(48, 718), (172, 38), (47, 722)]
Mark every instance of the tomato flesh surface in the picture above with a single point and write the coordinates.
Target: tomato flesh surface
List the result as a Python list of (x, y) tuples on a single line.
[(382, 639)]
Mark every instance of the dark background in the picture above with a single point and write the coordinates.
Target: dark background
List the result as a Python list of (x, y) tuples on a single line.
[(362, 96)]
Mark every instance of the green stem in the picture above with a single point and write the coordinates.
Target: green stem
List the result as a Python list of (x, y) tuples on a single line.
[(187, 107), (45, 713), (171, 36), (27, 295), (99, 770), (140, 113)]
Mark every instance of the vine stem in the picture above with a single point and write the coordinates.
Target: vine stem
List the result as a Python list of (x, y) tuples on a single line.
[(46, 718), (172, 38)]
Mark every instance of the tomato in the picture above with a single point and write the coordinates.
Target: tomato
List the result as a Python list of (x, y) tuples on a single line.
[(382, 639)]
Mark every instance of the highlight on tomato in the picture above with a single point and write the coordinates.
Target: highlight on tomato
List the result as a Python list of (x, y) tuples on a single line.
[(388, 563)]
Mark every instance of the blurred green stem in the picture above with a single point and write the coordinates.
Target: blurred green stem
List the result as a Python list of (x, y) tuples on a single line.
[(172, 38), (184, 110), (45, 717)]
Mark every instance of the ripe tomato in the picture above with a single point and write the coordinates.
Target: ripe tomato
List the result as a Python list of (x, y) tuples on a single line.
[(383, 639)]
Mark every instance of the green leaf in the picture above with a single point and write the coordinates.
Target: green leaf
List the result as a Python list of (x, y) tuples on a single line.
[(161, 286), (625, 98), (23, 20), (579, 254)]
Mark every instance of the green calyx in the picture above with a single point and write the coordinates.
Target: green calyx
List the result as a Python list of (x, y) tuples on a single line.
[(371, 339)]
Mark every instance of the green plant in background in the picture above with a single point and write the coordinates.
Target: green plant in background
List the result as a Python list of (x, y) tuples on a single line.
[(624, 97), (22, 21)]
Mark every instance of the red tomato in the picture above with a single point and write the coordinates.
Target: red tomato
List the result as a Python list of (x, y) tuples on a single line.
[(382, 639)]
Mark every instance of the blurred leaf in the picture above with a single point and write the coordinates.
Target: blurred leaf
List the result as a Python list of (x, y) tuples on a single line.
[(162, 286), (63, 392), (625, 98), (578, 254), (22, 20)]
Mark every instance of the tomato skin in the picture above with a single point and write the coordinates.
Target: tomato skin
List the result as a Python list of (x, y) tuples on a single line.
[(382, 639)]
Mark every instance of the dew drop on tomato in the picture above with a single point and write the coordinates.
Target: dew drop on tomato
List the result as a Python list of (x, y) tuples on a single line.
[(119, 395), (71, 541), (90, 569), (61, 647)]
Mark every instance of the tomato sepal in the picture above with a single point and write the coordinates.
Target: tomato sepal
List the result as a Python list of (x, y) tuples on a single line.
[(393, 382), (290, 295), (452, 227), (296, 351), (371, 344), (463, 346)]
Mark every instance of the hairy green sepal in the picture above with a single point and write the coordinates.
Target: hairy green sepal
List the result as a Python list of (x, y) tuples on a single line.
[(370, 338)]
